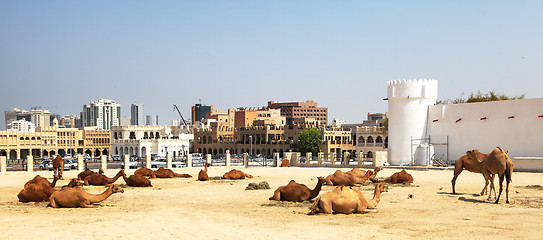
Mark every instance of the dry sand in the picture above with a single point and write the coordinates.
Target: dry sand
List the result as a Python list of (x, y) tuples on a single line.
[(223, 209)]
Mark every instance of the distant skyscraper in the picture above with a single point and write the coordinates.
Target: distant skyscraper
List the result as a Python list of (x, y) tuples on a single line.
[(151, 119), (137, 116), (125, 121), (103, 114), (199, 111)]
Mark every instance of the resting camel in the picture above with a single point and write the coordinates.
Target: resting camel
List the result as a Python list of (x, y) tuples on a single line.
[(496, 162), (58, 166), (399, 177), (471, 164), (202, 175), (101, 180), (343, 199), (236, 175), (285, 163), (137, 180), (87, 172), (76, 197), (347, 178), (168, 173), (296, 192), (146, 172), (37, 190)]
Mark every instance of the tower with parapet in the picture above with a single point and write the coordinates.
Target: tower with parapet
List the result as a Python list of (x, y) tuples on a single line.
[(408, 102)]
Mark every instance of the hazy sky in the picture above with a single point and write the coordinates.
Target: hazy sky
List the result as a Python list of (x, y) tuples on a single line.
[(245, 53)]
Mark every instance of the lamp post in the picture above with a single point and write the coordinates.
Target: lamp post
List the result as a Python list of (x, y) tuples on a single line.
[(251, 143)]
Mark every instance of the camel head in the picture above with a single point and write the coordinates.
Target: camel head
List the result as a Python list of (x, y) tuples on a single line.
[(377, 169), (473, 154), (321, 180), (116, 189), (75, 182), (381, 187), (101, 171), (209, 164)]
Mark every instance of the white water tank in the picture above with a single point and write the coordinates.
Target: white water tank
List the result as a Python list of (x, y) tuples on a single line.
[(423, 155), (408, 102)]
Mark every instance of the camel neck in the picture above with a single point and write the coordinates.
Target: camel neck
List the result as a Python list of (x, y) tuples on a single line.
[(54, 182), (315, 192), (377, 194), (95, 198)]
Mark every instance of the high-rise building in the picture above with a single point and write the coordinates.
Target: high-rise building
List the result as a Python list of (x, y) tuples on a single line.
[(151, 120), (103, 114), (68, 121), (40, 118), (199, 111), (300, 110), (21, 126), (137, 116)]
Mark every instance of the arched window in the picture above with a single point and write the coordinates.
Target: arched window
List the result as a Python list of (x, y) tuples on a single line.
[(379, 139), (209, 140), (370, 139)]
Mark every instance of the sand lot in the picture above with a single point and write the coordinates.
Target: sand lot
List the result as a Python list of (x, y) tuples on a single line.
[(223, 209)]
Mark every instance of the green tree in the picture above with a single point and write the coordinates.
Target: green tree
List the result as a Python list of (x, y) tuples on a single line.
[(482, 97), (309, 140)]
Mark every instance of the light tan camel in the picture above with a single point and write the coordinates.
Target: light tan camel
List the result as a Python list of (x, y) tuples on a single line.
[(296, 192), (236, 175), (137, 180), (347, 178), (361, 172), (101, 180), (343, 199), (168, 173), (496, 162), (82, 175), (146, 172), (76, 197), (58, 166), (471, 164), (399, 177), (37, 190), (202, 175)]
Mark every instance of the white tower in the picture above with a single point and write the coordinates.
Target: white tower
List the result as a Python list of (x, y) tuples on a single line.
[(408, 103)]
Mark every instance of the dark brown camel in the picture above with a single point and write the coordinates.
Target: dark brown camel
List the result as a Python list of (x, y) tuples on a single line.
[(101, 180), (496, 162), (202, 175), (76, 197), (236, 175), (41, 180), (285, 163), (400, 177), (82, 175), (471, 164), (58, 166), (296, 192), (146, 172), (37, 190), (168, 173), (137, 180)]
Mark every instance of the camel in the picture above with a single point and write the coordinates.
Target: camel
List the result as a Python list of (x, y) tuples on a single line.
[(146, 172), (296, 192), (345, 200), (285, 163), (471, 164), (168, 173), (37, 190), (58, 166), (360, 172), (236, 175), (76, 197), (74, 183), (347, 178), (101, 180), (202, 175), (87, 172), (400, 177), (496, 162), (137, 180)]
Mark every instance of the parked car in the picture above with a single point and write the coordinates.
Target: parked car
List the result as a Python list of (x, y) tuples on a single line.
[(46, 164), (161, 162), (70, 164)]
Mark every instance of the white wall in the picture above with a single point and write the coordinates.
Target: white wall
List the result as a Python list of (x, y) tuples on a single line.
[(522, 135)]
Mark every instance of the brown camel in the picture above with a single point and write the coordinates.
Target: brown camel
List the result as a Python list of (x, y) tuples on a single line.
[(202, 175), (58, 166), (168, 173), (236, 175), (74, 183), (137, 180), (347, 178), (399, 177), (471, 164), (361, 172), (101, 180), (76, 197), (82, 175), (343, 199), (146, 172), (37, 190), (285, 163), (296, 192), (496, 162)]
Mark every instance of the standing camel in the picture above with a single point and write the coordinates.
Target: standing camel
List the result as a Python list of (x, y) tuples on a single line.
[(496, 162), (296, 192), (58, 166), (471, 164)]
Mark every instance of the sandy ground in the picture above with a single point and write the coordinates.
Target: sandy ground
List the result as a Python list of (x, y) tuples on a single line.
[(223, 209)]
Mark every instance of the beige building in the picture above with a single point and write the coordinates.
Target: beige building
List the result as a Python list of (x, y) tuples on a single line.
[(141, 140)]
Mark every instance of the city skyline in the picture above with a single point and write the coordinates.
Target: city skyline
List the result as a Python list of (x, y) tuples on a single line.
[(244, 54)]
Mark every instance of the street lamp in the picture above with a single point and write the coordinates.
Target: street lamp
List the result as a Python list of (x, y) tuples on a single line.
[(251, 143)]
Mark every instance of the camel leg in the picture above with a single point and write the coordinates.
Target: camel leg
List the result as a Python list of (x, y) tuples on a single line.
[(507, 191), (52, 202), (457, 170), (60, 173), (276, 195), (487, 176), (501, 183), (492, 189)]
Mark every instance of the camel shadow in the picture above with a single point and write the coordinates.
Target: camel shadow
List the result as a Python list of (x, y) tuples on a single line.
[(472, 200), (458, 194)]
